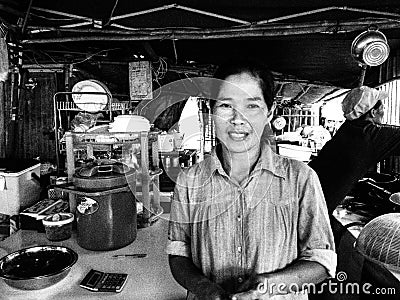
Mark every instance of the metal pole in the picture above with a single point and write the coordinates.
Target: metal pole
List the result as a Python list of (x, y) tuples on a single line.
[(26, 17), (362, 77)]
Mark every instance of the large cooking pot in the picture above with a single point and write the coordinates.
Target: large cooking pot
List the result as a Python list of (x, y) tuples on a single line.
[(370, 48), (104, 174), (105, 205)]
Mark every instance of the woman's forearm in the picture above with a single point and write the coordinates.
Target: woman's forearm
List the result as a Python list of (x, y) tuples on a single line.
[(295, 277), (292, 279), (191, 278)]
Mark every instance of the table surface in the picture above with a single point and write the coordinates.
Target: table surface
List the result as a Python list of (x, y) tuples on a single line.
[(148, 278)]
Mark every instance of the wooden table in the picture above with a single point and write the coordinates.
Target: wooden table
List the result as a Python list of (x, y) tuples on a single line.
[(149, 277)]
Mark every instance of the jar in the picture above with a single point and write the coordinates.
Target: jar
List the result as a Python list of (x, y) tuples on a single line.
[(58, 226)]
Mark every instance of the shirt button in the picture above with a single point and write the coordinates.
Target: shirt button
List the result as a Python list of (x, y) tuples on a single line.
[(239, 249), (239, 218), (240, 279)]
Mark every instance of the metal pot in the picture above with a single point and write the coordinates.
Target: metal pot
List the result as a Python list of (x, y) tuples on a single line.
[(384, 180), (37, 267), (370, 48), (102, 175)]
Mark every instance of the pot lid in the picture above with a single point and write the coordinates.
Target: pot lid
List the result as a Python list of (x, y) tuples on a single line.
[(104, 169)]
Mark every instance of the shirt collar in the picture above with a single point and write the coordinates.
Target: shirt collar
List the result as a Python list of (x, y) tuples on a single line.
[(268, 161)]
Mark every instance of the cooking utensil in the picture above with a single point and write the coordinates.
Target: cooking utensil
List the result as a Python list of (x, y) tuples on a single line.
[(370, 48), (393, 197), (94, 97), (37, 267), (105, 210), (104, 174), (135, 255)]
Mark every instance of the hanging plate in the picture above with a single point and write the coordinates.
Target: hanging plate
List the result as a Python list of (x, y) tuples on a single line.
[(90, 102)]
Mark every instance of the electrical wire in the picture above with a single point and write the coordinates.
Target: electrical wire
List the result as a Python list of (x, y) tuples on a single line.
[(159, 71), (94, 54), (112, 13), (51, 58)]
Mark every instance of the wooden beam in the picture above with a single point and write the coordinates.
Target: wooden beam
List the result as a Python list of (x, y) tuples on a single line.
[(270, 30)]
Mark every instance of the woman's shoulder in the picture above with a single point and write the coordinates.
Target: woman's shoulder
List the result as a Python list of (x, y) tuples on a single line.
[(196, 171), (294, 167)]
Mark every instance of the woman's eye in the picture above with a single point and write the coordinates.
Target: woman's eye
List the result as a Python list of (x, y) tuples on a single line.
[(253, 106), (224, 105)]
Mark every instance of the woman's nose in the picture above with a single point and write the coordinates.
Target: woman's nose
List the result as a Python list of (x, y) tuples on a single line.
[(237, 117)]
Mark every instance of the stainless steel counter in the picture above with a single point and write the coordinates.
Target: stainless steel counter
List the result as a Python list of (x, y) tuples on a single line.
[(149, 277)]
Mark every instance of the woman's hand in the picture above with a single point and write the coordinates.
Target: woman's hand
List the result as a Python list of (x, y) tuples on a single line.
[(212, 291), (256, 287)]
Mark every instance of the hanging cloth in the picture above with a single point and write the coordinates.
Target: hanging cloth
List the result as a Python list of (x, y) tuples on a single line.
[(4, 65)]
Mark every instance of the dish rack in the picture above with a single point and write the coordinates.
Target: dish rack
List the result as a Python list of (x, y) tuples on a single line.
[(63, 107), (148, 170)]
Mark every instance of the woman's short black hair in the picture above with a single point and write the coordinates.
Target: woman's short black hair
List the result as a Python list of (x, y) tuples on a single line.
[(255, 69)]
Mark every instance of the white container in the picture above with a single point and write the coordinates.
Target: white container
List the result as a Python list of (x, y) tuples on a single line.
[(19, 190), (129, 123), (166, 142), (297, 152), (178, 140)]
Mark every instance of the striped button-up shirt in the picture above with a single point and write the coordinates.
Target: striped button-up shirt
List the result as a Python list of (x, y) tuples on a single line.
[(231, 231)]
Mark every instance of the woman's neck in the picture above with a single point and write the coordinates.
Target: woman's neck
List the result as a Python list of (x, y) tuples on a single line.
[(239, 165)]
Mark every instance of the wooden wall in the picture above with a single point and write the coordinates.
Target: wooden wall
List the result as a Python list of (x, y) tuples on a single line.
[(31, 134), (4, 111), (36, 117)]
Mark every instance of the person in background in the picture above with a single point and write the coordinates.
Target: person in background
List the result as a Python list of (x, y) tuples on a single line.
[(245, 222), (358, 145)]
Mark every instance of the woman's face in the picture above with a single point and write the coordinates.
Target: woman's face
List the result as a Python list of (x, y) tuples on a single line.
[(240, 113)]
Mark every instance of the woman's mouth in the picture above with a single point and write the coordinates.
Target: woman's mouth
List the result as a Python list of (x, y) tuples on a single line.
[(238, 135)]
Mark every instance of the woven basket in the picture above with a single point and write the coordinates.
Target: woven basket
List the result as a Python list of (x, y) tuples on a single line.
[(379, 241)]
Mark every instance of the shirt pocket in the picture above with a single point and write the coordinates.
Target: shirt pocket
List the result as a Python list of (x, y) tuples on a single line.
[(280, 193)]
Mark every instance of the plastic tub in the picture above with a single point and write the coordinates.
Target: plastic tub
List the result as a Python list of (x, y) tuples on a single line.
[(58, 226), (293, 151)]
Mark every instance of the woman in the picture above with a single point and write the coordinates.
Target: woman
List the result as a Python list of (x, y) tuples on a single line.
[(246, 219)]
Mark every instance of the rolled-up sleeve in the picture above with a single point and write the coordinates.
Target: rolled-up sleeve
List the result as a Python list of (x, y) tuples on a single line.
[(316, 242), (179, 224)]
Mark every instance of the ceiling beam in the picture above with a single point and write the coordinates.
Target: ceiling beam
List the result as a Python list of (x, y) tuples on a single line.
[(325, 9), (270, 30)]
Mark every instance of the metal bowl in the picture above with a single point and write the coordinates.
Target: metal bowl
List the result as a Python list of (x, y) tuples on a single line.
[(370, 48), (37, 267)]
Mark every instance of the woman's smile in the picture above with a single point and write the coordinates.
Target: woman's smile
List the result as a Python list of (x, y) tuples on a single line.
[(238, 135)]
